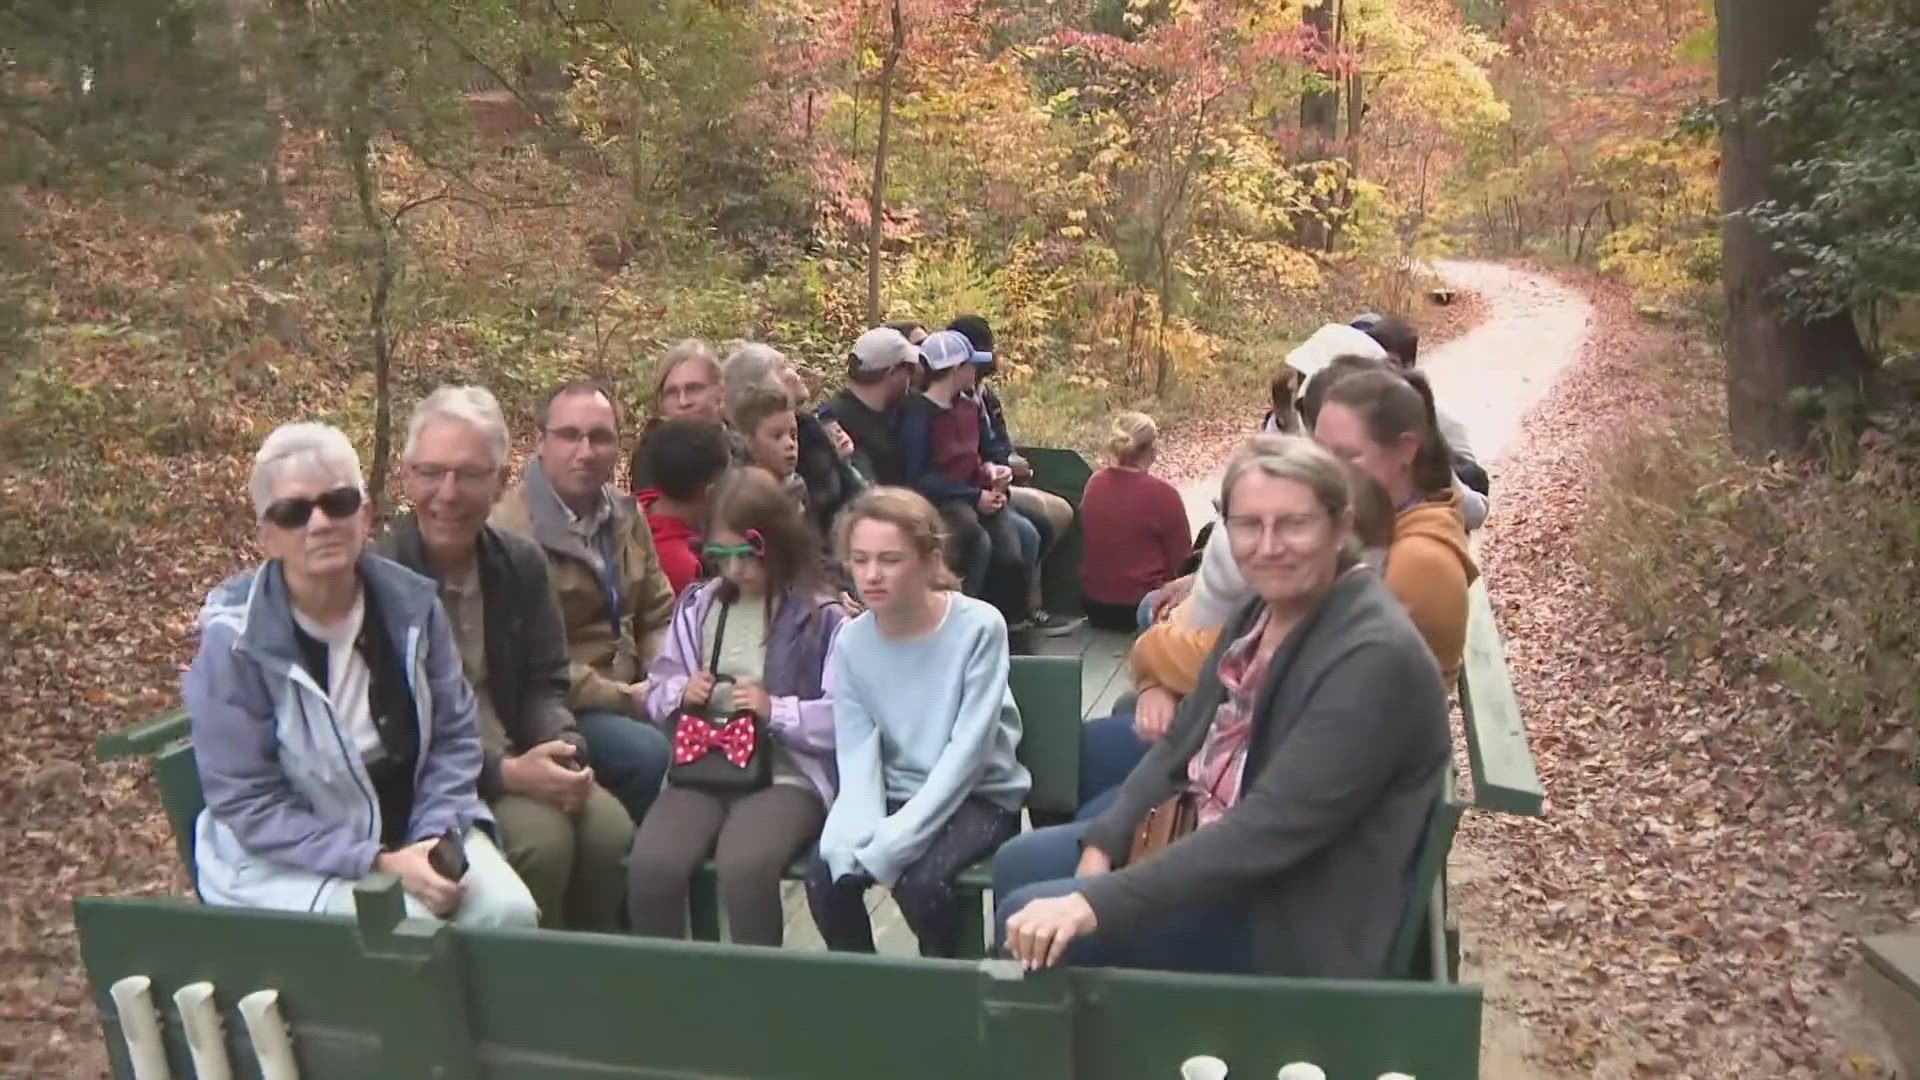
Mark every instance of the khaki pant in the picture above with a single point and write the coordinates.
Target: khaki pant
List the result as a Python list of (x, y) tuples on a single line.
[(572, 863), (1058, 513)]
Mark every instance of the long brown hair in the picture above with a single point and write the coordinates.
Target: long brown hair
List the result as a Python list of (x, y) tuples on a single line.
[(908, 511), (751, 502), (1391, 404)]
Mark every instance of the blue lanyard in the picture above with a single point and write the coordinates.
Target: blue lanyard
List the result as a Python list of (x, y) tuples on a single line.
[(608, 585)]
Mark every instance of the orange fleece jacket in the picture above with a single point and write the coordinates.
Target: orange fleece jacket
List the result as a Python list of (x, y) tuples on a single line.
[(1429, 569), (1171, 653)]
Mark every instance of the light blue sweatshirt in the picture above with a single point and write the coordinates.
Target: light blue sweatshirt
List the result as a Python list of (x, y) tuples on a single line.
[(925, 722)]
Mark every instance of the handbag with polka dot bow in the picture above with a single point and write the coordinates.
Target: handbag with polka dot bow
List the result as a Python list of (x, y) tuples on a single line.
[(730, 754)]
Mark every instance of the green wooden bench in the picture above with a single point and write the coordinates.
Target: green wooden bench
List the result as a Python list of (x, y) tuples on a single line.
[(380, 996), (1047, 689), (1064, 473)]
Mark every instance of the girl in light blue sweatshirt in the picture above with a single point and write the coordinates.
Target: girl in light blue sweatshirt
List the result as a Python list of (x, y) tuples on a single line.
[(924, 729)]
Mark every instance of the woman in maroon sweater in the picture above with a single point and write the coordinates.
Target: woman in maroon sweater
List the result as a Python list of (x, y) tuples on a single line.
[(1135, 527)]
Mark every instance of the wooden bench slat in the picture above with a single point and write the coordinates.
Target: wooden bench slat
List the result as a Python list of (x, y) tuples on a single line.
[(143, 738), (1897, 956), (1504, 777)]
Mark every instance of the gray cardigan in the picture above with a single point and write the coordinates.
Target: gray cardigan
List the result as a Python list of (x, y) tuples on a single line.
[(1350, 737)]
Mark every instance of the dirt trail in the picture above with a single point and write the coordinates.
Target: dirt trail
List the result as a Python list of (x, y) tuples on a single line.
[(1487, 378)]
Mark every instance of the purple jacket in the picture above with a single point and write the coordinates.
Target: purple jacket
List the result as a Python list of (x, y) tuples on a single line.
[(799, 636)]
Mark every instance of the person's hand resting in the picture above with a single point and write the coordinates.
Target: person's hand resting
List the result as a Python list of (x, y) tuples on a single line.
[(1170, 596), (638, 692), (1093, 863), (1038, 934), (420, 880), (991, 501), (698, 691), (547, 774), (1153, 713), (753, 696)]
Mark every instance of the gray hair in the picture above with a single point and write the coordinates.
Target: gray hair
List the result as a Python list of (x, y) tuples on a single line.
[(1290, 457), (474, 406), (303, 447), (751, 365)]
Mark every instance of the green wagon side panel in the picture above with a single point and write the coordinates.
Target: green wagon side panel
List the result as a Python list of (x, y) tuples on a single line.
[(553, 1006), (419, 1000), (1142, 1025), (315, 963), (1504, 777)]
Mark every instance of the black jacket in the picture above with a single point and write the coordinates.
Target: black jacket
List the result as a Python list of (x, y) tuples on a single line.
[(526, 642), (875, 437)]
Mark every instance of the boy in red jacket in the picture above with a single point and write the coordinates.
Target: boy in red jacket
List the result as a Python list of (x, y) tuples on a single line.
[(685, 458)]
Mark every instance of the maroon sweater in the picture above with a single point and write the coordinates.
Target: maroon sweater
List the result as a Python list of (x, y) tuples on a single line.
[(1136, 535), (940, 449)]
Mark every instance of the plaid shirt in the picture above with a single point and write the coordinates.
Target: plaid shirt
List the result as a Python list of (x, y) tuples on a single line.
[(1215, 773)]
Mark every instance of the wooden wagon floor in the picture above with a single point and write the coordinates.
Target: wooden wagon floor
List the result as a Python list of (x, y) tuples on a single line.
[(1102, 680)]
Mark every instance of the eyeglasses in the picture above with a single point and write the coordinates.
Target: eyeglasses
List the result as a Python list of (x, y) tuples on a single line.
[(1295, 529), (471, 477), (341, 502), (599, 438)]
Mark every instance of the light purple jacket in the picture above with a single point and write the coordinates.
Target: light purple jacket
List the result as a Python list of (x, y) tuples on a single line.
[(799, 636), (290, 812)]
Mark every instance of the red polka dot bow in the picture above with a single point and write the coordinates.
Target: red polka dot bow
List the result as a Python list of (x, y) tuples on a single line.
[(693, 738)]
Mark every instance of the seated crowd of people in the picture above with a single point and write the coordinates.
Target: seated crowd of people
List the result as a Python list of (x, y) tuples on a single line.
[(549, 702)]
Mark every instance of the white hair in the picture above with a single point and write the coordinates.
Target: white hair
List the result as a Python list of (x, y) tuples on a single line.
[(474, 406), (305, 447), (751, 365)]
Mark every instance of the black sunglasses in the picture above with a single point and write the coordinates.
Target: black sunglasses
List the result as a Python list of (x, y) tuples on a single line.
[(341, 502)]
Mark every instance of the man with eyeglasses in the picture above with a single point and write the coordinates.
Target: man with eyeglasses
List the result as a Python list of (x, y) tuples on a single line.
[(614, 598), (563, 833)]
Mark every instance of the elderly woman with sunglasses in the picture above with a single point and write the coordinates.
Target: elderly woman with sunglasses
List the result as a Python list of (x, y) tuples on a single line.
[(334, 731)]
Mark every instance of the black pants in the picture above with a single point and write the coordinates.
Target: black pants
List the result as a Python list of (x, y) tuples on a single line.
[(1122, 618), (990, 539), (925, 889)]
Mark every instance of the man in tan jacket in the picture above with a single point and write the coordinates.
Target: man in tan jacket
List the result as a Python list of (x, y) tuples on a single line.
[(614, 598)]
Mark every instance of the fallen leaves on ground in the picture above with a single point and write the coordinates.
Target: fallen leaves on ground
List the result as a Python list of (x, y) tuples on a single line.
[(1688, 904)]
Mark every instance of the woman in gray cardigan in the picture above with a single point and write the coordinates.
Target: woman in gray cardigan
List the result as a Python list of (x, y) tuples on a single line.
[(1312, 751)]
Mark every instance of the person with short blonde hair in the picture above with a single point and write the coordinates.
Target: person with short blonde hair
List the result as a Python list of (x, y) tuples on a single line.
[(320, 757), (929, 781), (1135, 527)]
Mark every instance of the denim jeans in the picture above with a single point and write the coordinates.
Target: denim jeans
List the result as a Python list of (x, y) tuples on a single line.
[(1144, 617), (1212, 938), (629, 758), (1109, 750)]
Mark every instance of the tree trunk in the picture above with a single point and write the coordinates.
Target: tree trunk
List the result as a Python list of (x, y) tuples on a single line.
[(876, 203), (1320, 128), (1770, 355), (358, 145)]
